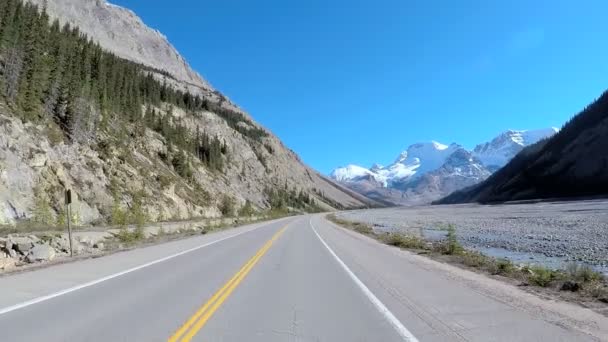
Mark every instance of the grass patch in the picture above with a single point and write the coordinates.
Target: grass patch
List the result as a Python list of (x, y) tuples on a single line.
[(403, 241), (359, 227)]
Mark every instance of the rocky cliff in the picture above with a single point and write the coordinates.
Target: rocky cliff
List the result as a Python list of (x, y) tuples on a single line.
[(122, 166)]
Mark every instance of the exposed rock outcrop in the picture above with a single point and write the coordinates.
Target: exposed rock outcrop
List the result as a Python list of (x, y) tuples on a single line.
[(37, 164)]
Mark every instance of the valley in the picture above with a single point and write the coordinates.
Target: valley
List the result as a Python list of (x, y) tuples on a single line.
[(139, 202)]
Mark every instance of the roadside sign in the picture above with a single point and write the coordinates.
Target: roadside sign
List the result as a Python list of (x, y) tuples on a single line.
[(68, 196)]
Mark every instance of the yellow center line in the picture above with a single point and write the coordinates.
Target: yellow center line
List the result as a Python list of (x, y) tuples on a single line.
[(202, 315)]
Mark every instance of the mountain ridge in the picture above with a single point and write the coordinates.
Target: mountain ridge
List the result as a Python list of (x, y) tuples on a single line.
[(426, 171), (571, 164)]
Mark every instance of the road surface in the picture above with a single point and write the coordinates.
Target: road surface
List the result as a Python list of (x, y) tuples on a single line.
[(295, 279)]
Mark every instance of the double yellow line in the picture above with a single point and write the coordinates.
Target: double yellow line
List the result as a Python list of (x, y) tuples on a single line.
[(187, 331)]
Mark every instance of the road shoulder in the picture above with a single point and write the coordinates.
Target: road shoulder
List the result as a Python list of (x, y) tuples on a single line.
[(562, 314)]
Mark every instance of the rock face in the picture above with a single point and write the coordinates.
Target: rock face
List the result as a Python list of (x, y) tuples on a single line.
[(36, 166), (124, 33), (428, 171)]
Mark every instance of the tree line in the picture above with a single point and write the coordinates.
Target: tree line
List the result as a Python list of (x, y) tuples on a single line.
[(53, 73)]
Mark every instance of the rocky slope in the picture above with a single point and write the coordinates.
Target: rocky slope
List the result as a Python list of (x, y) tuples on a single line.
[(428, 171), (573, 163), (122, 32), (111, 172)]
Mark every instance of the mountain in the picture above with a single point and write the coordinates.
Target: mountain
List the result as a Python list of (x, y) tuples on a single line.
[(504, 147), (572, 163), (428, 171), (93, 100)]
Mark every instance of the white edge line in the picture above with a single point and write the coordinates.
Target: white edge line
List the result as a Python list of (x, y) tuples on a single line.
[(115, 275), (401, 329)]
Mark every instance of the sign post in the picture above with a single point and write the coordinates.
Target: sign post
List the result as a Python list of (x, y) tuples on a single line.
[(68, 202)]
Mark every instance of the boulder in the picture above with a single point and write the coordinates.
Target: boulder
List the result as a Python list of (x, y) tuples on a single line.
[(86, 241), (61, 243), (41, 253), (21, 244)]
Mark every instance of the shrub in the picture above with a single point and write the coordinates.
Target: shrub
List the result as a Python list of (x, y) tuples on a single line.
[(451, 246), (597, 290), (541, 276), (247, 210), (118, 216), (473, 259), (42, 212), (138, 232), (403, 241), (501, 266), (124, 235), (138, 215), (362, 228), (227, 206), (127, 236), (582, 273)]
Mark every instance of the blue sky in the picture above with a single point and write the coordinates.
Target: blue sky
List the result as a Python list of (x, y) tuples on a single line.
[(347, 81)]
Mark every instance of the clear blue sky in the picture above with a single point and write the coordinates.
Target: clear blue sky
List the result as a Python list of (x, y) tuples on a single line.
[(346, 81)]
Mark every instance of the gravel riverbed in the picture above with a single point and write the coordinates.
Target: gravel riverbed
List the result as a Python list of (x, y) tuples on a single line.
[(549, 233)]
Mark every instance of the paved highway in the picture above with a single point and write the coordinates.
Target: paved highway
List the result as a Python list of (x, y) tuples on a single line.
[(295, 279)]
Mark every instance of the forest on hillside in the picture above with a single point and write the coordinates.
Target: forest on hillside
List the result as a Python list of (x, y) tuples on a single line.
[(54, 74)]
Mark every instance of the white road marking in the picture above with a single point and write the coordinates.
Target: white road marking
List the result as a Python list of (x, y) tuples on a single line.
[(115, 275), (401, 329)]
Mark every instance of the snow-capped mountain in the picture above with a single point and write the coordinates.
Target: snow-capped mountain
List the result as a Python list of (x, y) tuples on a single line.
[(418, 159), (351, 173), (429, 170), (461, 169), (500, 150)]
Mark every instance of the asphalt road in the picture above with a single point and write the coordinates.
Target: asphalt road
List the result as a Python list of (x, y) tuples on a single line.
[(296, 279)]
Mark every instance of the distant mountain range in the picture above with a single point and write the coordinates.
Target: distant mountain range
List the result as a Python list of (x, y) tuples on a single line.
[(430, 170), (573, 163)]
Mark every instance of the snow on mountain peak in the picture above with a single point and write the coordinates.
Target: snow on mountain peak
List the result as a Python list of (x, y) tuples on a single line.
[(438, 145), (506, 145), (354, 172), (376, 167), (401, 157)]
